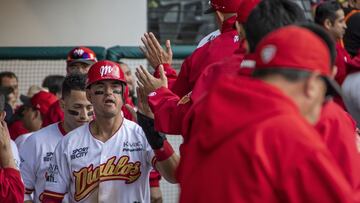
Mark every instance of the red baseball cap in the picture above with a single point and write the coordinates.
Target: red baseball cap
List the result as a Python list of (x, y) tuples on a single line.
[(41, 101), (293, 47), (82, 55), (245, 9), (105, 70), (224, 6)]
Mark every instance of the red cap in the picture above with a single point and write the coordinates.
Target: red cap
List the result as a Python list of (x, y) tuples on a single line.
[(105, 70), (224, 6), (245, 9), (41, 101), (82, 55), (293, 47)]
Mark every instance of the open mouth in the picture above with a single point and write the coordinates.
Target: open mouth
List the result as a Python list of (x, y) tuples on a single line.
[(109, 101)]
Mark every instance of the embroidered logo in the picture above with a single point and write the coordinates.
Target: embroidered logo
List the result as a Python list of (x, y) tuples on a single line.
[(78, 153), (48, 156), (236, 38), (79, 52), (88, 178), (268, 53), (104, 70)]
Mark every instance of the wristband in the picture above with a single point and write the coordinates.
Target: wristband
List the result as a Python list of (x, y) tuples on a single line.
[(165, 152)]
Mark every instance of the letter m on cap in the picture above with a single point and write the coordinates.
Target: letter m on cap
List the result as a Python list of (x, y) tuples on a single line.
[(104, 70)]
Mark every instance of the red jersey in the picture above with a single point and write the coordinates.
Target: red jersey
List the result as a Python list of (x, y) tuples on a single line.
[(338, 130), (164, 102), (342, 58), (168, 107), (12, 188), (247, 142)]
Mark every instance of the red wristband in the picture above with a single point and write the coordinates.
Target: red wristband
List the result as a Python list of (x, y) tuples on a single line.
[(164, 152)]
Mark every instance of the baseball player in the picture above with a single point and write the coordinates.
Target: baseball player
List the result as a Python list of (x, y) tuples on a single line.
[(79, 60), (38, 151), (109, 159), (12, 188), (264, 148)]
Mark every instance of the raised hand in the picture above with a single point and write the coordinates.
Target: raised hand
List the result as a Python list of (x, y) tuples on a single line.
[(153, 51), (148, 82)]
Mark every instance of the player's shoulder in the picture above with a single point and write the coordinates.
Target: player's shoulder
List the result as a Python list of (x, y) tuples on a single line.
[(77, 133), (133, 128), (131, 125), (46, 133)]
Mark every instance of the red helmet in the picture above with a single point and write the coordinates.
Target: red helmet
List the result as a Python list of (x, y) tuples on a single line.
[(81, 54), (105, 70)]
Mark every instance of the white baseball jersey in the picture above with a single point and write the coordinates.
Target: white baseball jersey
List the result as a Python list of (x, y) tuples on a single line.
[(36, 155), (19, 141), (15, 152), (94, 171)]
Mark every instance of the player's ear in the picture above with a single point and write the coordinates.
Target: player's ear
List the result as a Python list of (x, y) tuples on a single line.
[(88, 95), (2, 115), (62, 104)]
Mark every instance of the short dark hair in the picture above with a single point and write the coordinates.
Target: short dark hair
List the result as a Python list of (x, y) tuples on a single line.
[(326, 10), (324, 35), (2, 102), (53, 83), (73, 82), (352, 35), (7, 74), (268, 16)]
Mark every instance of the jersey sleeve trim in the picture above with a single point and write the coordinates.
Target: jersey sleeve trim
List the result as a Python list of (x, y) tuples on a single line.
[(53, 194), (28, 191)]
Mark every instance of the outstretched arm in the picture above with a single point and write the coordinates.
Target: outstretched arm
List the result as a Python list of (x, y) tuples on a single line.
[(167, 160)]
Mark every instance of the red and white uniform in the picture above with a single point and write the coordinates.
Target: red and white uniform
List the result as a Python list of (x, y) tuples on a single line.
[(36, 155), (90, 170), (253, 145)]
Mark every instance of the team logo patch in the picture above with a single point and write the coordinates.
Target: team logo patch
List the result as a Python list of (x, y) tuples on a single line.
[(79, 52), (51, 173), (236, 38), (268, 53), (152, 94), (88, 178), (104, 70), (185, 99), (48, 156), (133, 146), (78, 153)]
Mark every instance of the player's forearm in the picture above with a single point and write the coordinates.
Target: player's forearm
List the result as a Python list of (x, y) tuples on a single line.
[(7, 158), (167, 168)]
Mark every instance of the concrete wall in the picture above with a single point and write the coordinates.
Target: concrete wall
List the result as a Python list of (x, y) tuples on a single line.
[(72, 22)]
